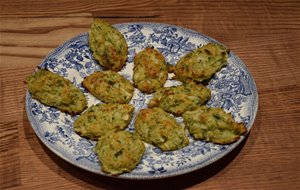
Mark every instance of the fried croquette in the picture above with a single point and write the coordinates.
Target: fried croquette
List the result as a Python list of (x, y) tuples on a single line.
[(109, 87), (150, 70), (119, 152), (178, 99), (157, 127), (54, 90), (201, 64), (100, 119), (213, 125), (108, 45)]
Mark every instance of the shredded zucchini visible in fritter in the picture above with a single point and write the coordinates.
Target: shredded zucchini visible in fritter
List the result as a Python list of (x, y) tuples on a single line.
[(150, 71), (213, 125), (119, 152), (159, 128), (109, 86), (56, 91), (103, 118), (178, 99), (108, 45), (201, 64)]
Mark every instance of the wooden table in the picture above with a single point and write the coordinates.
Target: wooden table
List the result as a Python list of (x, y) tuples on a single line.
[(264, 34)]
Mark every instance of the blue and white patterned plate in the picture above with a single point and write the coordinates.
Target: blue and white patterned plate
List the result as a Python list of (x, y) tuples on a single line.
[(233, 89)]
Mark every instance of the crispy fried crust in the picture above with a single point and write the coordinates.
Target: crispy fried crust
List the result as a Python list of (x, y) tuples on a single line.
[(150, 70), (213, 125), (100, 119), (54, 90), (119, 152), (157, 127), (109, 86), (108, 45), (178, 99), (201, 64)]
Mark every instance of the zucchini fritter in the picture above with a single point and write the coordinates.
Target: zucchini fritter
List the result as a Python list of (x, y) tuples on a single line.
[(150, 71), (213, 125), (157, 127), (200, 64), (109, 86), (119, 152), (178, 99), (100, 119), (108, 45), (56, 91)]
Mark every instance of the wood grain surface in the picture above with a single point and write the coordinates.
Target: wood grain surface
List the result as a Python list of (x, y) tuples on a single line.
[(265, 34)]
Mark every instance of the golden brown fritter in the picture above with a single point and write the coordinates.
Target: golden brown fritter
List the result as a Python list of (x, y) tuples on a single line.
[(109, 86), (100, 119), (108, 45), (213, 125), (157, 127), (119, 152), (150, 71), (201, 64), (178, 99), (56, 91)]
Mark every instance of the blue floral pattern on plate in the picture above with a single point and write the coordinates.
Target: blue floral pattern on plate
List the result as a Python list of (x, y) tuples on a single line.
[(233, 89)]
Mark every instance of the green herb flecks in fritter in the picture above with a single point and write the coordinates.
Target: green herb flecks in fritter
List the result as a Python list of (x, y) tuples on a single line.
[(108, 45), (100, 119), (119, 152), (178, 99), (56, 91), (109, 86), (201, 64), (157, 127), (213, 125), (150, 71)]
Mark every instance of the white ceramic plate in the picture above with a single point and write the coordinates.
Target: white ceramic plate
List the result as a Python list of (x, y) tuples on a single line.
[(233, 89)]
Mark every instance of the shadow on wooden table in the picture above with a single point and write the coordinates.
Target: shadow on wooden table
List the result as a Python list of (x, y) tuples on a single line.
[(177, 182)]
